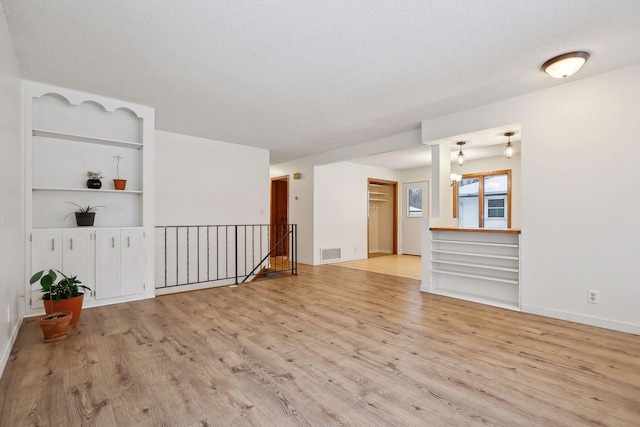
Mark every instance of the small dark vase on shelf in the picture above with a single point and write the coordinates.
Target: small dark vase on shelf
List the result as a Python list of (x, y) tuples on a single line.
[(94, 183)]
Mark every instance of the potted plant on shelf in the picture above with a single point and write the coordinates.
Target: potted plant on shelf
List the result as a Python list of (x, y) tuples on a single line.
[(85, 216), (119, 184), (63, 295), (94, 180)]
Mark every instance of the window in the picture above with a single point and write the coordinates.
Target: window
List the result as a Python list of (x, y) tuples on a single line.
[(483, 200), (495, 208), (414, 202)]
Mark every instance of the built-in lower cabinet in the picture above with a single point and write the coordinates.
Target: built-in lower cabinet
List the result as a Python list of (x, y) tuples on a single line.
[(119, 263), (133, 262), (109, 261)]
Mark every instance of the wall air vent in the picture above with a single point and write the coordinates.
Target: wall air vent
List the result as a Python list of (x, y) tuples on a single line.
[(329, 254)]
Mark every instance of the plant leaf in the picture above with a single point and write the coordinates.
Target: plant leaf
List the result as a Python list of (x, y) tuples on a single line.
[(36, 277)]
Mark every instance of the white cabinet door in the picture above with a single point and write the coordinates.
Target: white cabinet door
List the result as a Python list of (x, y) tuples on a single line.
[(133, 266), (107, 264), (46, 253), (46, 250), (78, 256)]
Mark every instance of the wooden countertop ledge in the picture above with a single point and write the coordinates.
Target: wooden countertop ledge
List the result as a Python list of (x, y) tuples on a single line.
[(478, 230)]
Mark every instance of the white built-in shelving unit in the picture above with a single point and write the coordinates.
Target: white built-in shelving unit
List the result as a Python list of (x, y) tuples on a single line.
[(67, 134), (481, 266)]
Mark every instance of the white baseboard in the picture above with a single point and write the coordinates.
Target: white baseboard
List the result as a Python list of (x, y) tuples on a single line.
[(615, 325), (6, 351)]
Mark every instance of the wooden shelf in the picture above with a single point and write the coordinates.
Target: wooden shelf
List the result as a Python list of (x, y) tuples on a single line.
[(477, 230), (91, 190), (378, 200), (84, 138)]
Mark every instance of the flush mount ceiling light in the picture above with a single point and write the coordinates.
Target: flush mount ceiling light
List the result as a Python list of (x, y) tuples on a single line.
[(565, 65), (508, 149), (460, 153)]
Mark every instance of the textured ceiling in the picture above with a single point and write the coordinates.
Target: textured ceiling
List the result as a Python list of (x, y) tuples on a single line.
[(301, 77), (480, 144)]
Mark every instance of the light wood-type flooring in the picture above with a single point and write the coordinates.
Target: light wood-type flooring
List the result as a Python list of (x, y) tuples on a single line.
[(331, 346), (408, 266)]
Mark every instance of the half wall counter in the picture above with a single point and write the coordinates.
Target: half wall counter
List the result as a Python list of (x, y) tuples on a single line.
[(480, 265)]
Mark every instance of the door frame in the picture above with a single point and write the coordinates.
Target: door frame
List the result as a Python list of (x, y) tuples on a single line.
[(394, 193), (272, 211)]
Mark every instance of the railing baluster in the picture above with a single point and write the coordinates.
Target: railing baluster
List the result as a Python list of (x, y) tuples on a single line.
[(284, 250), (177, 257), (165, 257), (188, 250)]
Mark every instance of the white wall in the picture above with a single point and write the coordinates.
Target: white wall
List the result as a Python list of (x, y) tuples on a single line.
[(340, 217), (415, 174), (12, 250), (206, 182), (579, 221)]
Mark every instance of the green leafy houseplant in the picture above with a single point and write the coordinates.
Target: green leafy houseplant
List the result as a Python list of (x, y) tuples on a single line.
[(84, 210), (67, 287), (84, 215)]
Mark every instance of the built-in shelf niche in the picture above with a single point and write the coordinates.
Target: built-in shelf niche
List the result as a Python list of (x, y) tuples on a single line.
[(67, 141), (477, 266)]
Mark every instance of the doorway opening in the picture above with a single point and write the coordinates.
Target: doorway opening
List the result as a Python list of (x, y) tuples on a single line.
[(382, 224), (279, 217)]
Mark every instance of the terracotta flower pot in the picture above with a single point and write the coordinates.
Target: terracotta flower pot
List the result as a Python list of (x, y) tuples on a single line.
[(54, 326), (119, 184), (73, 305)]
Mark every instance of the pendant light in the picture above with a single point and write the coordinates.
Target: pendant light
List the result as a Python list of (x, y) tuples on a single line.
[(508, 149), (460, 153), (565, 65)]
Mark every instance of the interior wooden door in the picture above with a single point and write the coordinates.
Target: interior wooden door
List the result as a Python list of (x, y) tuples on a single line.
[(279, 214)]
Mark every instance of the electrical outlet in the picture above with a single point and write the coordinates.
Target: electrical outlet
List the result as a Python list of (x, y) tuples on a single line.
[(593, 297)]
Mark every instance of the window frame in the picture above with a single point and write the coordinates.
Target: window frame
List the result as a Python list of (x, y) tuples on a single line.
[(408, 206), (481, 200)]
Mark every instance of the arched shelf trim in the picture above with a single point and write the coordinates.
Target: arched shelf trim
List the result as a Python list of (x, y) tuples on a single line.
[(74, 97)]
